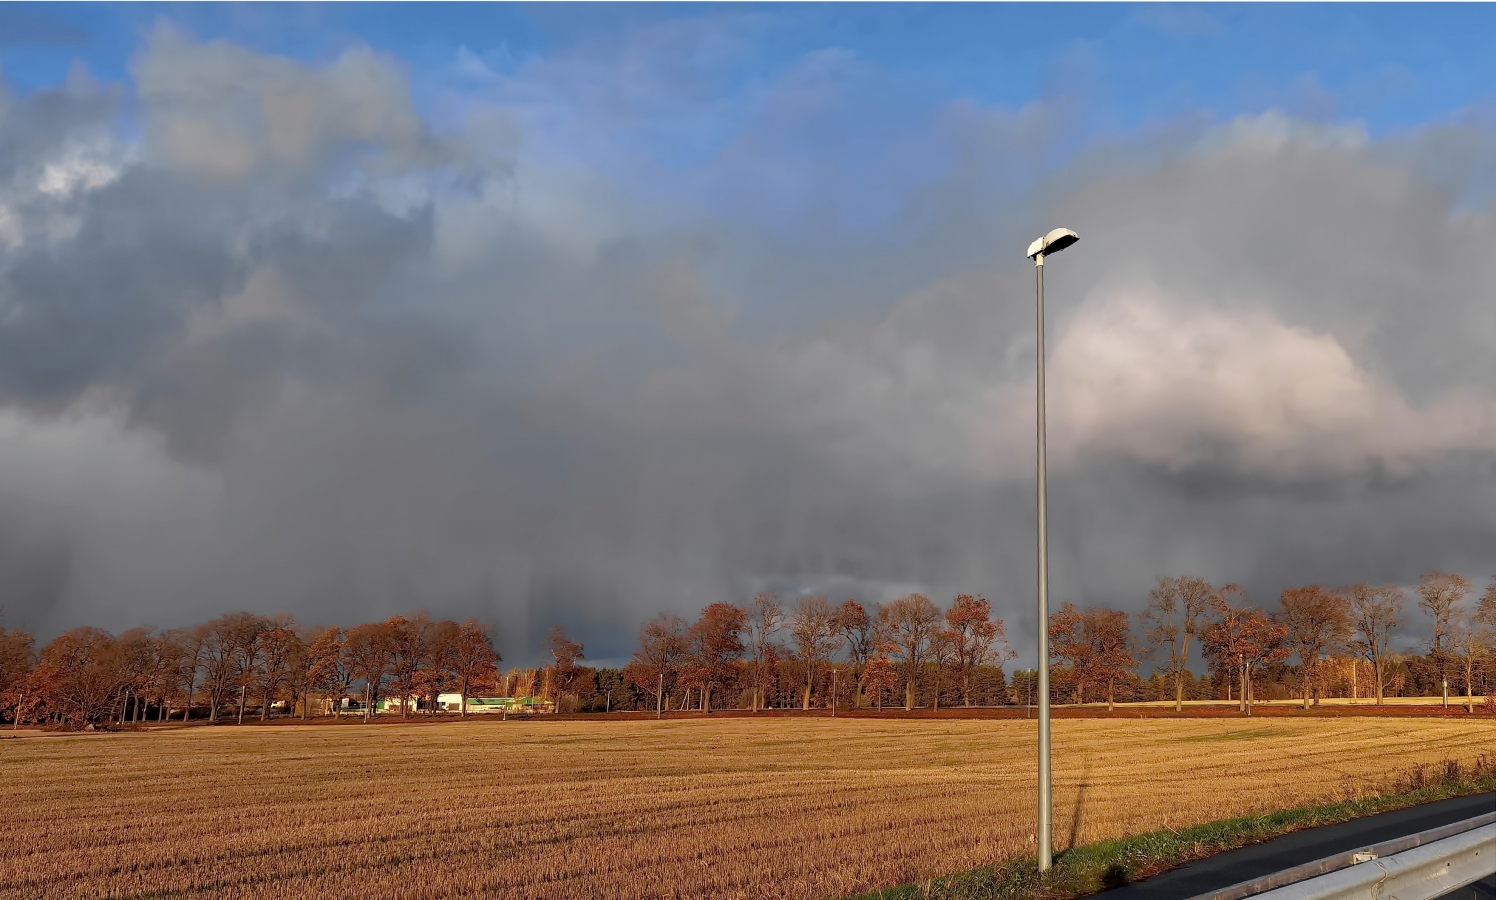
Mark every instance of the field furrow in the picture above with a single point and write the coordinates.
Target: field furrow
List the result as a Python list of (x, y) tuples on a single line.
[(772, 808)]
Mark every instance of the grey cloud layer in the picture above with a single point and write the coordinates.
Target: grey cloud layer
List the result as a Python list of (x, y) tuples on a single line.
[(290, 348)]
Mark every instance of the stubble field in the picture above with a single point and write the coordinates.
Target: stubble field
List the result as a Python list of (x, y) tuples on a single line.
[(774, 808)]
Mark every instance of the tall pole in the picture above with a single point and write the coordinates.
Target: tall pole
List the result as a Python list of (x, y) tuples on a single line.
[(1045, 824)]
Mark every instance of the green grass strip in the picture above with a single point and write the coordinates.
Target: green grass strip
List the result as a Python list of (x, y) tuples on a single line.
[(1086, 870)]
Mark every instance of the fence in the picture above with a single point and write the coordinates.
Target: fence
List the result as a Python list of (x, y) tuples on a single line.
[(1422, 866)]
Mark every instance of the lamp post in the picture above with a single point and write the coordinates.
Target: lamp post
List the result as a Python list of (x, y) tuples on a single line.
[(1054, 242)]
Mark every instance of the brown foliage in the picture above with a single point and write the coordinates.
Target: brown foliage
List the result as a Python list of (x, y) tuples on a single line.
[(327, 669), (367, 650), (657, 662), (1095, 643), (879, 677), (474, 659), (567, 653), (17, 658), (715, 642), (1243, 639), (1319, 621), (974, 639), (81, 673)]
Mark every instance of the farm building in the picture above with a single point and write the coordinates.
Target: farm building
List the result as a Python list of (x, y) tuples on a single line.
[(508, 705)]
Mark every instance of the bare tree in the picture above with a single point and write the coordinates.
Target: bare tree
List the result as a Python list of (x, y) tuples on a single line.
[(1178, 609), (437, 671), (241, 634), (1439, 593), (165, 677), (942, 653), (813, 626), (219, 639), (194, 642), (299, 684), (911, 620), (566, 653), (1375, 612), (662, 643), (137, 652), (1485, 611), (1470, 640), (1318, 621), (765, 617)]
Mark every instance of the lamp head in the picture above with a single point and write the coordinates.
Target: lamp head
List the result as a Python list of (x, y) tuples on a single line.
[(1053, 242)]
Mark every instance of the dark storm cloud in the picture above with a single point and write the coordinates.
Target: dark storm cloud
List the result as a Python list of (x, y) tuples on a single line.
[(292, 349)]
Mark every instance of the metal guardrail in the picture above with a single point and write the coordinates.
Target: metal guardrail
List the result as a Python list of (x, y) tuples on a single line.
[(1420, 866)]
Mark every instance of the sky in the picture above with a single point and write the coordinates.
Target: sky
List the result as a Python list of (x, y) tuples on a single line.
[(575, 314)]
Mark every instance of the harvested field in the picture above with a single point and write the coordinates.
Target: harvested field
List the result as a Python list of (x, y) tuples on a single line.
[(681, 808)]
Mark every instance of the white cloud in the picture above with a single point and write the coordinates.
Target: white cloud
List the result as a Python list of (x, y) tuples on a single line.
[(1273, 131), (74, 171), (1137, 372)]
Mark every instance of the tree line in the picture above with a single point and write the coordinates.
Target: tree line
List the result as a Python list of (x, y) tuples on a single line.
[(815, 654), (1320, 642), (241, 661), (768, 653)]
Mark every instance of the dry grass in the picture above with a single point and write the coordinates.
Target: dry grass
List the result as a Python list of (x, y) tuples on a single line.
[(688, 808)]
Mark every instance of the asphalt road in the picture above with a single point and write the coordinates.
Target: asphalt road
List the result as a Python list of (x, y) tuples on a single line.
[(1235, 866)]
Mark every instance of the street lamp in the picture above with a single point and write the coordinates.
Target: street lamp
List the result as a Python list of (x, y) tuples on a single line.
[(1053, 242)]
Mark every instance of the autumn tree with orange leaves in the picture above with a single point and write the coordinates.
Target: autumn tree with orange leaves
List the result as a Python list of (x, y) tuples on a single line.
[(283, 654), (367, 648), (716, 643), (1096, 642), (880, 675), (82, 675), (974, 639), (17, 658), (1243, 639), (474, 659), (860, 636), (328, 672)]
